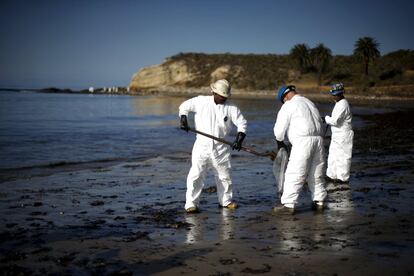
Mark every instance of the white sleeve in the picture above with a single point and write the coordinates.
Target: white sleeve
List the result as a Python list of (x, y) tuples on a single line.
[(338, 113), (282, 123), (239, 120), (188, 106)]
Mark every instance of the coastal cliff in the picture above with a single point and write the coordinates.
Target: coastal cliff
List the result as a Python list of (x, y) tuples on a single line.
[(175, 73), (392, 73), (193, 70)]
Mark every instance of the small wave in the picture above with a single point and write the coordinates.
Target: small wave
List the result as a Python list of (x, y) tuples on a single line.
[(77, 163), (9, 174)]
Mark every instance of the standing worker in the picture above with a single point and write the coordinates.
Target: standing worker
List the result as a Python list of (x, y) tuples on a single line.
[(300, 120), (213, 115), (340, 149)]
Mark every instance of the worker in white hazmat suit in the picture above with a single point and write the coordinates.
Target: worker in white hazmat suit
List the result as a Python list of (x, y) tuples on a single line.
[(300, 120), (340, 149), (216, 116)]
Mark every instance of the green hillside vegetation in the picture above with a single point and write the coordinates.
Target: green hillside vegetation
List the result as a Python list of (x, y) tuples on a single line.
[(263, 72)]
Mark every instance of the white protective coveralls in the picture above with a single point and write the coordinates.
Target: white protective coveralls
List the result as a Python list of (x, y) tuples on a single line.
[(340, 149), (300, 119), (217, 120)]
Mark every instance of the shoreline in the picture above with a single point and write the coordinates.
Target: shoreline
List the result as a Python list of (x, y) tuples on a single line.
[(397, 94), (319, 97)]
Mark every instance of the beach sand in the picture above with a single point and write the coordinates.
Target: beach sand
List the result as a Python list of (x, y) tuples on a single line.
[(127, 218)]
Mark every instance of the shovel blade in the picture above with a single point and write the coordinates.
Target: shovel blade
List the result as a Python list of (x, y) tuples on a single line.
[(279, 168)]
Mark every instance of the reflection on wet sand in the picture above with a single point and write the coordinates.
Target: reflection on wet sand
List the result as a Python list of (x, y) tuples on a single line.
[(339, 196), (296, 238), (289, 242), (196, 232), (226, 229)]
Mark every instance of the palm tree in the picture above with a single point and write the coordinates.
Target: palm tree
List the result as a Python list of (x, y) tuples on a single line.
[(367, 49), (320, 57), (300, 53)]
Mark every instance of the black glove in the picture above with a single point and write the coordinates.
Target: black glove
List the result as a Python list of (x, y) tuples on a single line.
[(272, 154), (237, 144), (281, 144), (184, 123)]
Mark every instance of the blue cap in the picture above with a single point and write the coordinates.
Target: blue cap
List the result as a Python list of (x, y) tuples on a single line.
[(283, 91), (337, 89)]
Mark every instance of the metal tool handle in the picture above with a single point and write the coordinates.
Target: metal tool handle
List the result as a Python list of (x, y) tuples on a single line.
[(246, 149)]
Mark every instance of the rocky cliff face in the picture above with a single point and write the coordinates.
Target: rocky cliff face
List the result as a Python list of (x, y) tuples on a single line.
[(174, 73), (177, 73), (223, 72)]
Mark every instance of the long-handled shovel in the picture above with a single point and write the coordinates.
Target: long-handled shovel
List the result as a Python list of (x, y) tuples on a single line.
[(280, 159), (246, 149)]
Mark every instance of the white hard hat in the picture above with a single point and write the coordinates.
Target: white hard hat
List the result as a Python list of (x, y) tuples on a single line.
[(221, 87)]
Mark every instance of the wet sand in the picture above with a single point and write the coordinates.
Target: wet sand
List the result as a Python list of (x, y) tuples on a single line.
[(127, 217)]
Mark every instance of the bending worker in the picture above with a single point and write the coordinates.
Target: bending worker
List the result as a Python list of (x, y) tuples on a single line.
[(213, 115), (300, 120), (340, 149)]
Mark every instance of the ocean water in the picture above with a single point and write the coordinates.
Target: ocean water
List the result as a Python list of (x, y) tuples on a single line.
[(42, 129)]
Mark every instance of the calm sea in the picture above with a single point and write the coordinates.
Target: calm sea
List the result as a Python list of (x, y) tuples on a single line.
[(41, 129)]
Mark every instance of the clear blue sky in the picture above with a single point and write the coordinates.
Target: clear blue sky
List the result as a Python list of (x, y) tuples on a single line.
[(82, 43)]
